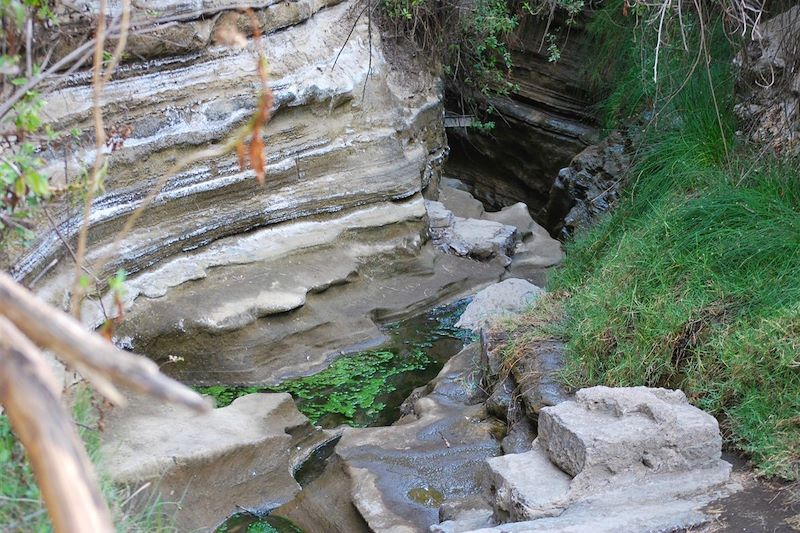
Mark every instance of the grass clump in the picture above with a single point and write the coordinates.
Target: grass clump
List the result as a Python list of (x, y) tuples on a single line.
[(694, 281)]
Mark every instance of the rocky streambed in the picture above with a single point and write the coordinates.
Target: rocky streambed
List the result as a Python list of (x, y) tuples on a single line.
[(469, 449), (441, 426), (312, 293)]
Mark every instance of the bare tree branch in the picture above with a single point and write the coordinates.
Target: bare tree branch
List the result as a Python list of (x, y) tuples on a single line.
[(88, 352), (30, 396)]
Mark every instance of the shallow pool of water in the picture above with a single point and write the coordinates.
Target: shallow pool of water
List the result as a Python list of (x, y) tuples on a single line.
[(367, 388), (360, 389)]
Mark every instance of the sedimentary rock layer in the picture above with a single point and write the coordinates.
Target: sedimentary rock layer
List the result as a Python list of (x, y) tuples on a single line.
[(348, 131)]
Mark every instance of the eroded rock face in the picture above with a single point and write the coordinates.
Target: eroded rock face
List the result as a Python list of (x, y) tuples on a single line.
[(212, 464), (228, 325), (400, 475), (246, 283), (589, 186), (329, 149), (769, 83)]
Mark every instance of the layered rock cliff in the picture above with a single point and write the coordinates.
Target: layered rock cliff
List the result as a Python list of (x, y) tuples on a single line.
[(353, 142)]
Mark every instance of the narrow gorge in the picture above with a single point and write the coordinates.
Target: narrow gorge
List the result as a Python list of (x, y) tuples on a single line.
[(359, 320)]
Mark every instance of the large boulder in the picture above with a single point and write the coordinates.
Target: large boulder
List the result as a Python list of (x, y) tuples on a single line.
[(509, 296), (458, 224), (626, 459), (211, 465), (470, 237), (609, 430)]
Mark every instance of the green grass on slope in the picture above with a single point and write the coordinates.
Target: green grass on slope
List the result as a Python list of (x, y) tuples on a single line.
[(703, 293), (694, 281)]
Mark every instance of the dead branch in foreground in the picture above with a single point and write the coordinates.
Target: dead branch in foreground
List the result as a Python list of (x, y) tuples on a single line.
[(31, 398), (88, 352), (30, 395)]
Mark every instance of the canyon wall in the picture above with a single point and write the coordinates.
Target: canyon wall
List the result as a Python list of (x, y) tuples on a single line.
[(226, 273), (545, 120)]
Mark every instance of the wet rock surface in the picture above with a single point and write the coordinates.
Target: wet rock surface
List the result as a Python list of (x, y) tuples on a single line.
[(400, 475), (212, 464)]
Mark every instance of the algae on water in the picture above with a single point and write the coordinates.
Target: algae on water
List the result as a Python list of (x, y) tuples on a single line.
[(366, 388)]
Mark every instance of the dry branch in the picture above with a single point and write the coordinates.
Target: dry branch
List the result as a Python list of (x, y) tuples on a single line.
[(52, 329), (30, 396)]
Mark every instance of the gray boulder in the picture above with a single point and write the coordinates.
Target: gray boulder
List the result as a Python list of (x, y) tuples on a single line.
[(616, 429), (506, 297), (213, 464), (627, 459), (470, 237)]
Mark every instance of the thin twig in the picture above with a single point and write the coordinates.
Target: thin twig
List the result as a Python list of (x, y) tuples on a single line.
[(347, 39), (99, 157)]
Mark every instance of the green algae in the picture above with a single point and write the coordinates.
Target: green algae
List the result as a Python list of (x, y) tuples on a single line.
[(427, 496), (349, 390), (247, 523), (367, 388)]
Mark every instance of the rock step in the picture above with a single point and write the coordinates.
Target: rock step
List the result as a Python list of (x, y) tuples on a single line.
[(613, 459), (528, 485)]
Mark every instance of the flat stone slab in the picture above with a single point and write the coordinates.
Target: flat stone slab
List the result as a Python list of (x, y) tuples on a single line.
[(213, 464), (666, 502), (528, 485), (461, 202)]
